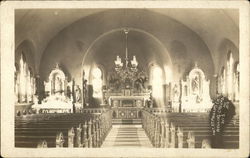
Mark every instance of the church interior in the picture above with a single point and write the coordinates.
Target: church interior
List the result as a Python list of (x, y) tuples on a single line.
[(96, 78)]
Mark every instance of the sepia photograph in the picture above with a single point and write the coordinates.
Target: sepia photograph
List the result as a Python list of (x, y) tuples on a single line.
[(141, 80)]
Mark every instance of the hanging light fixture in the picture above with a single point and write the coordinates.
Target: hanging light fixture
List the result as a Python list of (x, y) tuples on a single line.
[(129, 68)]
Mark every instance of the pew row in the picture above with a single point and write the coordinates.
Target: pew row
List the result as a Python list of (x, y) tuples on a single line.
[(177, 130), (62, 130)]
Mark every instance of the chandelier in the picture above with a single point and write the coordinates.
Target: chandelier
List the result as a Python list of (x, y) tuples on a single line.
[(129, 71)]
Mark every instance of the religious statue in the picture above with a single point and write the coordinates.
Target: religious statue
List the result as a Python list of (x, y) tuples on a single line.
[(84, 91), (176, 93), (58, 84), (68, 92), (78, 94), (114, 82), (195, 85), (140, 81)]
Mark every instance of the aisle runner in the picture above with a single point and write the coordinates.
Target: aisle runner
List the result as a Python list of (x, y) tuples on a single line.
[(126, 136)]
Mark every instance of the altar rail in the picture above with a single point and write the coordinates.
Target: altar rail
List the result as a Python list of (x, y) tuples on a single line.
[(185, 130), (94, 110), (159, 110), (63, 130)]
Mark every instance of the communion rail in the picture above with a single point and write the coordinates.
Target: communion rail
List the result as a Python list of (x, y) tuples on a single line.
[(185, 130), (62, 130)]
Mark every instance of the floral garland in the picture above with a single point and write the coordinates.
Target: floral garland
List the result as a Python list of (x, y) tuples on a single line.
[(221, 113)]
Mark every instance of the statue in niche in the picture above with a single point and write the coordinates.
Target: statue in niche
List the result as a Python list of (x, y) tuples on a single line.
[(195, 84), (68, 92), (176, 93), (78, 94), (140, 82), (127, 83), (114, 81), (85, 92), (58, 84)]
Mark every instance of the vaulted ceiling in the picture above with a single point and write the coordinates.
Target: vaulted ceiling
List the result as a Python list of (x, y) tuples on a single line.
[(206, 28)]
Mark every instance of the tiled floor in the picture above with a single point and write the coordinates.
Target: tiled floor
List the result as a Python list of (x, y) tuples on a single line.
[(126, 136)]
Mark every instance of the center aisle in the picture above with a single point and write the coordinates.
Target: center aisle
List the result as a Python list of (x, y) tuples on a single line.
[(126, 136)]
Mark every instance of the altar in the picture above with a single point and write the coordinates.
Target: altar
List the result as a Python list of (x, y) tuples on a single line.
[(128, 101), (128, 107), (127, 91)]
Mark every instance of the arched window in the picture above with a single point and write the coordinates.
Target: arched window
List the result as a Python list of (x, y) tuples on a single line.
[(22, 79), (236, 81), (230, 62), (16, 80), (223, 81), (157, 81), (24, 82), (97, 82)]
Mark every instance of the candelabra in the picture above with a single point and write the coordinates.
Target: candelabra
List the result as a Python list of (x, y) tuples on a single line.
[(129, 71)]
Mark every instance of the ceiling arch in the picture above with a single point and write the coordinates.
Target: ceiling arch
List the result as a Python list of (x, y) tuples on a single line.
[(42, 25), (164, 52), (26, 48), (75, 39)]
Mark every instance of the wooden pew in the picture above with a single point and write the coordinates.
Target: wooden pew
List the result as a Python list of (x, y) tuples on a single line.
[(185, 130), (71, 130)]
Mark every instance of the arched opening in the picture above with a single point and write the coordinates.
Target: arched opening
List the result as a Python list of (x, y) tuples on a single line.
[(157, 84), (229, 71), (97, 82), (223, 81), (236, 81), (24, 81)]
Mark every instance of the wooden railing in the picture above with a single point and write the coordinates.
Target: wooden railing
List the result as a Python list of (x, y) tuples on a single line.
[(160, 131), (163, 133), (158, 110), (94, 110)]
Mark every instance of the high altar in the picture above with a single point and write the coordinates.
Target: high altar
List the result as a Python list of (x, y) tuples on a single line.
[(127, 104), (126, 91)]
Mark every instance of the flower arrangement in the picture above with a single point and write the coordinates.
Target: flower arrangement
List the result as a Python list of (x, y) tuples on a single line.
[(221, 113)]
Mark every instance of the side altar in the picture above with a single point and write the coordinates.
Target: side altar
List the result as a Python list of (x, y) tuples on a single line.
[(61, 96)]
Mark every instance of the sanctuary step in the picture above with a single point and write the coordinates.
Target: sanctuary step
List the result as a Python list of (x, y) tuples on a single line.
[(126, 121), (126, 136)]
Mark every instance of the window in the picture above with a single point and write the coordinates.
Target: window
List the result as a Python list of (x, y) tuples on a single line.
[(230, 75), (222, 81), (229, 78), (24, 82), (236, 81), (157, 82), (97, 82)]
